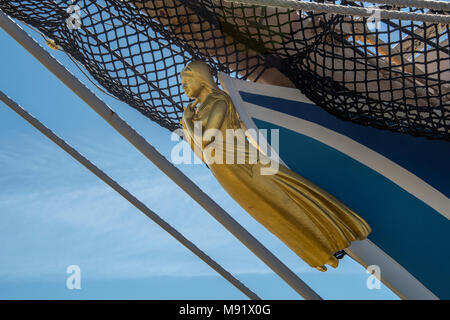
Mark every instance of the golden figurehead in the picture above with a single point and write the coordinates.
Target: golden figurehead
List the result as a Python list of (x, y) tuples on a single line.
[(310, 221)]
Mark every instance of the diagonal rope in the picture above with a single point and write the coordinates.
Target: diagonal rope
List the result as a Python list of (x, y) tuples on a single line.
[(348, 11), (426, 4), (127, 195), (417, 36)]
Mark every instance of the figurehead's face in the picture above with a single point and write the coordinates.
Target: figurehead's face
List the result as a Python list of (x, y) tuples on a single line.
[(191, 86), (195, 77)]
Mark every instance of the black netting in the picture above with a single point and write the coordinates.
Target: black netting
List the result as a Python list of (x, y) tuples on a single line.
[(395, 77)]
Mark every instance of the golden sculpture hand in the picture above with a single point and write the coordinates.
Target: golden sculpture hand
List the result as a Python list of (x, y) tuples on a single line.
[(310, 221)]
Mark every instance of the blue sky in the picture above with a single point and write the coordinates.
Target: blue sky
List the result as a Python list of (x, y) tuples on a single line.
[(55, 213)]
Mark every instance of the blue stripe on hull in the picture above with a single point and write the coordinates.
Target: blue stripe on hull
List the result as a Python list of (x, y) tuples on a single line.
[(404, 227), (427, 159)]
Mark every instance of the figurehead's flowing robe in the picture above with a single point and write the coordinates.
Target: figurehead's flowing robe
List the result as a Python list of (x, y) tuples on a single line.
[(310, 221)]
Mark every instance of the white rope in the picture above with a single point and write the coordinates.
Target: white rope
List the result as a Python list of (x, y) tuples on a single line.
[(127, 195), (426, 4), (348, 11)]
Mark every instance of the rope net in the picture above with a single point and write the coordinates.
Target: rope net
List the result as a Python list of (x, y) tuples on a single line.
[(389, 74)]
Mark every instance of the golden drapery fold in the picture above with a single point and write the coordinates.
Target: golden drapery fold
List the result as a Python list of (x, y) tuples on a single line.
[(310, 221)]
